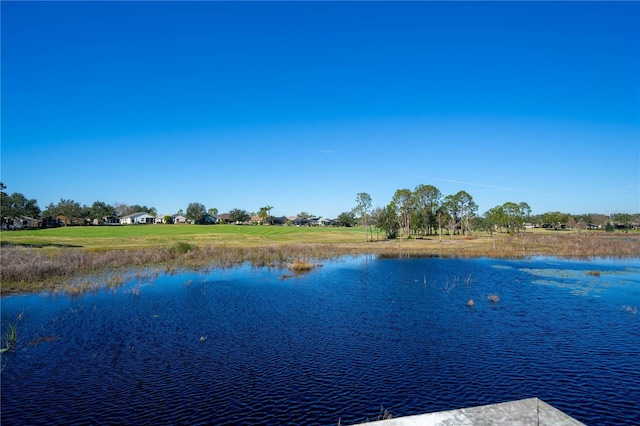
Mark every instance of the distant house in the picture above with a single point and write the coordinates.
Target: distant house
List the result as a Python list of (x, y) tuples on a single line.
[(111, 220), (320, 221), (107, 220), (224, 218), (178, 218), (22, 222), (279, 220), (29, 222), (137, 218), (299, 221), (51, 222), (207, 219), (70, 220)]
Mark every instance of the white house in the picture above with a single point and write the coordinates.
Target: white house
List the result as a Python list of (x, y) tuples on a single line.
[(178, 218), (137, 218), (319, 221)]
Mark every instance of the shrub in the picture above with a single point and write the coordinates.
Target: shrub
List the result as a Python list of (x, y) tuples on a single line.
[(182, 247)]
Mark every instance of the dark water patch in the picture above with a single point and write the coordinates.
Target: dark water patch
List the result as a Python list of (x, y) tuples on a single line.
[(243, 346)]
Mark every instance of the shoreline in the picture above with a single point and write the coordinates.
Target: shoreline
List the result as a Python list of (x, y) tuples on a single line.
[(33, 269)]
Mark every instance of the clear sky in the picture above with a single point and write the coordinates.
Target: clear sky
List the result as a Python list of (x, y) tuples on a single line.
[(302, 105)]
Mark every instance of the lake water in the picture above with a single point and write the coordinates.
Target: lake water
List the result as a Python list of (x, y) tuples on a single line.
[(247, 346)]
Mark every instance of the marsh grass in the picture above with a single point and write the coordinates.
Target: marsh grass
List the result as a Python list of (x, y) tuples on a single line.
[(302, 265), (10, 336), (32, 269)]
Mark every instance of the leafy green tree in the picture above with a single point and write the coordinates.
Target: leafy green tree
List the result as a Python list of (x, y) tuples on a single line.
[(68, 208), (388, 221), (239, 215), (347, 219), (123, 209), (461, 209), (195, 211), (376, 220), (427, 199), (213, 211), (467, 208), (480, 223), (137, 208), (362, 208), (556, 220), (4, 201), (452, 207), (100, 210), (495, 219), (442, 217), (403, 202), (17, 205), (264, 213), (525, 212), (167, 219)]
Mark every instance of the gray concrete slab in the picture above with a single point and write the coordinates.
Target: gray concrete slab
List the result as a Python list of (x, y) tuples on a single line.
[(525, 412)]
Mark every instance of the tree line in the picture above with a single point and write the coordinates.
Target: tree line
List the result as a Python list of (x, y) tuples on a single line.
[(422, 212), (426, 211)]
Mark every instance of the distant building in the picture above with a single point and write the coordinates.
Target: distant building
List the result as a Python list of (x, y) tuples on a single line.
[(140, 218)]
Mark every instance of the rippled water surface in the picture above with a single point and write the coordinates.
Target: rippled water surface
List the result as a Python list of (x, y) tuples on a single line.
[(245, 346)]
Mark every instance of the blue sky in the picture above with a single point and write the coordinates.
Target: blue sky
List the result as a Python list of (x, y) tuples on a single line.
[(302, 105)]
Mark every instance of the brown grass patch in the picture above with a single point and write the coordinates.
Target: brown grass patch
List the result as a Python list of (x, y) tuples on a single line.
[(33, 269)]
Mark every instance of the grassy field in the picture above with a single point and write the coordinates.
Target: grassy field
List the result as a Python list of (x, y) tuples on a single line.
[(145, 236), (33, 260)]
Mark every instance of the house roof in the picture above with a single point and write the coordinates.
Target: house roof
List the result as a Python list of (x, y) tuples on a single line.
[(134, 215)]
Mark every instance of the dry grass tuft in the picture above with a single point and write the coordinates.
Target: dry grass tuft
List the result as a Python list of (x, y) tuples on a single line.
[(301, 265)]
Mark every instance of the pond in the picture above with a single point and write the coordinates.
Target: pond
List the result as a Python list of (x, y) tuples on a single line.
[(257, 346)]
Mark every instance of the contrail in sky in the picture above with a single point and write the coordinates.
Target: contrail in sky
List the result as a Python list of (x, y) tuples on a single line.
[(494, 187)]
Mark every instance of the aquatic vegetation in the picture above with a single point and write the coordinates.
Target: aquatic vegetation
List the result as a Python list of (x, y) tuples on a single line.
[(384, 414), (593, 273), (493, 298), (301, 265), (40, 339), (32, 269), (450, 285), (10, 336)]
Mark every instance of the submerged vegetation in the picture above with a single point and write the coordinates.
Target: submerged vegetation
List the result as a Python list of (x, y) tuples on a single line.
[(32, 261)]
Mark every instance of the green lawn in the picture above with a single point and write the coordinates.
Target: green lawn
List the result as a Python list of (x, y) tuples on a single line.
[(141, 236)]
